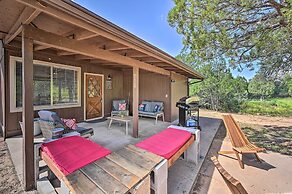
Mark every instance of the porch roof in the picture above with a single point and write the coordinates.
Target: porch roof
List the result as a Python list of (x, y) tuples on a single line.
[(66, 20)]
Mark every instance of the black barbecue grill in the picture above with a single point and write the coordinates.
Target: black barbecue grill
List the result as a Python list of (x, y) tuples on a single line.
[(188, 108)]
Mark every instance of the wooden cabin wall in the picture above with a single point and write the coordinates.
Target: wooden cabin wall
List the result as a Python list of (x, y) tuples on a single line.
[(152, 86), (116, 92)]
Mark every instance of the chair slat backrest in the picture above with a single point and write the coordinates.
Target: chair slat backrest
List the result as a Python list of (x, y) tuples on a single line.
[(234, 185), (237, 137)]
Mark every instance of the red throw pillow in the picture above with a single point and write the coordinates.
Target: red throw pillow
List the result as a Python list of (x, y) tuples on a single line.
[(71, 123), (122, 106)]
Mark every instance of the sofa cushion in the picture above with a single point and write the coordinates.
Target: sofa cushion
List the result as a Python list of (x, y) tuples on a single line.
[(160, 104), (141, 107), (148, 106), (156, 108), (147, 113)]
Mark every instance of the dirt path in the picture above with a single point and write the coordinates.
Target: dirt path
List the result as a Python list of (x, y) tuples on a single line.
[(252, 119), (9, 182)]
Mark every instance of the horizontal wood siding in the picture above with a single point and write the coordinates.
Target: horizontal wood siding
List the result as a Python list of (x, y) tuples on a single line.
[(152, 87), (13, 119)]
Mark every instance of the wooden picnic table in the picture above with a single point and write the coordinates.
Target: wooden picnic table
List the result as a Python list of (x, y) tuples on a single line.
[(125, 171)]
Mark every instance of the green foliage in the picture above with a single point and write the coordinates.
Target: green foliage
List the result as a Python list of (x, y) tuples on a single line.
[(259, 87), (244, 32), (287, 82), (220, 91), (272, 107)]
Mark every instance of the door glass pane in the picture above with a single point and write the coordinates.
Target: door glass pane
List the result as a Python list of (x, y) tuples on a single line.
[(65, 86), (93, 88), (42, 85)]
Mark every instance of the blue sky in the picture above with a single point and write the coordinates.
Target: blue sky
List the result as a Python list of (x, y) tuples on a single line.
[(146, 19)]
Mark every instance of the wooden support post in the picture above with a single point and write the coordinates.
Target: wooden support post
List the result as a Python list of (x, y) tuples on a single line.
[(135, 101), (2, 91), (27, 112)]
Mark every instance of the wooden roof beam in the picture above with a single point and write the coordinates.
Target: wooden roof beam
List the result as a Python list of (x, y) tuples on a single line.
[(64, 53), (27, 16), (82, 57), (151, 61), (84, 34), (139, 56), (119, 48), (77, 35), (49, 39)]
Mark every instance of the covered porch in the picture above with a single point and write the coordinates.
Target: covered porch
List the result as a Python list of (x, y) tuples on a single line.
[(62, 34)]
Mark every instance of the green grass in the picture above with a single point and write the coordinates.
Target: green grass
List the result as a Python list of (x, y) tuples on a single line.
[(272, 107)]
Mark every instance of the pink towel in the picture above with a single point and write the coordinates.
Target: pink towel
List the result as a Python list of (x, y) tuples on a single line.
[(72, 153), (166, 143)]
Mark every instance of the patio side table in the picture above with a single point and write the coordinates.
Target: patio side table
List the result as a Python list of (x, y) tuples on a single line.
[(125, 119)]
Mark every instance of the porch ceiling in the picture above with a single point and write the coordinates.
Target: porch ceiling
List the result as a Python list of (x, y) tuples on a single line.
[(68, 20)]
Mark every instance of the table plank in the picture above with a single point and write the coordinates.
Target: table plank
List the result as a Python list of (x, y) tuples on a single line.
[(137, 159), (118, 172), (77, 182), (138, 170), (103, 180), (145, 153)]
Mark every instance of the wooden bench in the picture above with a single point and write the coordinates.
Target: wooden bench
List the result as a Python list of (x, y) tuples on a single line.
[(125, 171), (240, 143), (234, 185)]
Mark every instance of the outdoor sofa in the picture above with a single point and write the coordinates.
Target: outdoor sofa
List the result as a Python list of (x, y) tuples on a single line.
[(153, 109)]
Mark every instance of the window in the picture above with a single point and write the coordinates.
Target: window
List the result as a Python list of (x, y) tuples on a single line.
[(55, 86), (64, 86)]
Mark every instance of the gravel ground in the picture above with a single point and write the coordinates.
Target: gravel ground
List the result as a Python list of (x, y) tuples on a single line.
[(9, 182)]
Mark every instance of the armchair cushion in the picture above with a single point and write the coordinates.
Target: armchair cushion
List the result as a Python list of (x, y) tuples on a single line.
[(116, 104), (46, 115), (70, 123), (122, 106)]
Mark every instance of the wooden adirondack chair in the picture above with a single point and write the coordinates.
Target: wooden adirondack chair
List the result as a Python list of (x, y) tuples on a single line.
[(234, 185), (240, 143)]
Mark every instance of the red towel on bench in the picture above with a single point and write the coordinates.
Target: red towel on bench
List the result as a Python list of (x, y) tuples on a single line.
[(165, 143), (72, 153)]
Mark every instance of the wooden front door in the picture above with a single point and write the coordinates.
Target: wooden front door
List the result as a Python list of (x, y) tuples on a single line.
[(93, 96)]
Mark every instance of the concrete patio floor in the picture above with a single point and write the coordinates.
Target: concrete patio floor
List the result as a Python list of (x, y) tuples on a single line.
[(274, 175), (182, 174)]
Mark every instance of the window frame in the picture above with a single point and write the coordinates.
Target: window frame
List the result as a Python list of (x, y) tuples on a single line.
[(12, 85)]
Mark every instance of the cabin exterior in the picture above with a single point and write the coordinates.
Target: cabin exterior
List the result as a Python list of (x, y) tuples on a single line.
[(57, 55)]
